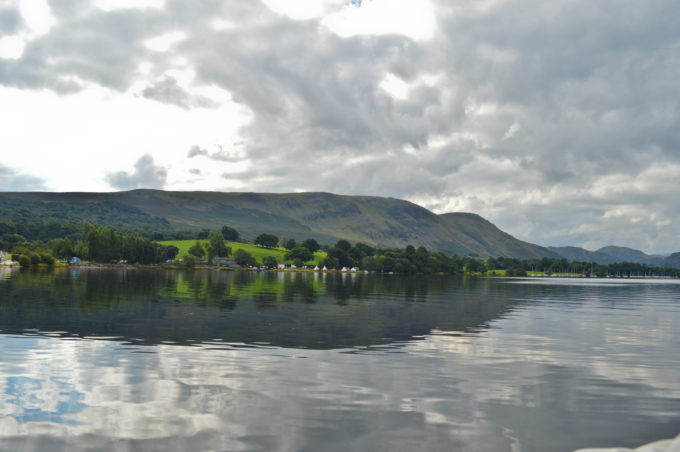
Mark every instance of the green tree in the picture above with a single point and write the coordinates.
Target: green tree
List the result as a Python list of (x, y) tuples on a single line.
[(171, 251), (312, 245), (288, 243), (24, 261), (204, 234), (344, 245), (341, 256), (216, 246), (197, 250), (188, 261), (301, 253), (230, 233), (270, 262), (244, 258), (62, 248), (267, 240), (365, 250), (46, 258)]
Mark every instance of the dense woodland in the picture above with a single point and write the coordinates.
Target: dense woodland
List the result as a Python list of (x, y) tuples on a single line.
[(35, 242)]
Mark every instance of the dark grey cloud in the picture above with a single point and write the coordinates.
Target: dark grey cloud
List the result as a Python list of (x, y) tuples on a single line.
[(145, 175), (10, 20), (554, 120), (13, 180)]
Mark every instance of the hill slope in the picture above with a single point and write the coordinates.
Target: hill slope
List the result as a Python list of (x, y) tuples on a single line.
[(324, 216), (475, 233), (610, 255)]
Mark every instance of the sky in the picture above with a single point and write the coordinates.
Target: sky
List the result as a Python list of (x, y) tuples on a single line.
[(557, 121)]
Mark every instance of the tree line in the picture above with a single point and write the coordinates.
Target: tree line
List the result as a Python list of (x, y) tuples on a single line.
[(107, 244)]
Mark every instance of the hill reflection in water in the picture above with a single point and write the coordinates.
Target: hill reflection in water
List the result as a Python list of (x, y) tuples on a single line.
[(301, 310)]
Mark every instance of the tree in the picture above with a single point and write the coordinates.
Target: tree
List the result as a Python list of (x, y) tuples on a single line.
[(197, 250), (188, 261), (24, 261), (216, 246), (312, 245), (301, 253), (343, 245), (341, 257), (287, 243), (364, 249), (267, 240), (244, 258), (230, 233), (171, 251), (270, 262), (204, 234), (62, 248)]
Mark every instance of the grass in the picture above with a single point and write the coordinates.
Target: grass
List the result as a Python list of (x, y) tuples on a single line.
[(256, 251)]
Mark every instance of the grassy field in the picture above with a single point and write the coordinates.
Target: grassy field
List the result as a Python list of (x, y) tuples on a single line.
[(257, 251)]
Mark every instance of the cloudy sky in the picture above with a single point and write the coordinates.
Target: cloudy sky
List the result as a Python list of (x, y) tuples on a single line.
[(557, 121)]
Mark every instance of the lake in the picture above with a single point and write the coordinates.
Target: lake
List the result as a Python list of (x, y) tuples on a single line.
[(159, 360)]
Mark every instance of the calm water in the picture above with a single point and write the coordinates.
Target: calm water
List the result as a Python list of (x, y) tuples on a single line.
[(156, 360)]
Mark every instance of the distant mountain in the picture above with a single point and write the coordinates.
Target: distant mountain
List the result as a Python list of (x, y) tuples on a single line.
[(612, 254), (672, 261), (574, 253), (623, 254), (385, 222)]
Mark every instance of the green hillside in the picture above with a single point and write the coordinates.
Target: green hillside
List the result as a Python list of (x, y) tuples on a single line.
[(475, 233), (256, 251), (384, 222)]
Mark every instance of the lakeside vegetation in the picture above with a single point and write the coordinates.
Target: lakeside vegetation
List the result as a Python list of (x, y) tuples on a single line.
[(99, 244)]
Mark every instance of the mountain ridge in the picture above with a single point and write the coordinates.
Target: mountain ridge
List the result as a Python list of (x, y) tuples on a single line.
[(327, 217)]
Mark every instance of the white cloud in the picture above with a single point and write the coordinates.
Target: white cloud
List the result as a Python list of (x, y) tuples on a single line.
[(412, 18), (166, 41), (116, 5)]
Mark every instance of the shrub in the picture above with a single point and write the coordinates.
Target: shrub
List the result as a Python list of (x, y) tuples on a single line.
[(244, 258), (35, 258), (270, 262), (24, 261), (46, 259), (187, 261)]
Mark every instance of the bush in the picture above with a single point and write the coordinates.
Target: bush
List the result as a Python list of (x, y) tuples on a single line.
[(244, 258), (270, 262), (515, 271), (46, 259), (24, 261), (266, 240), (230, 234), (197, 250), (35, 258), (187, 261), (300, 253)]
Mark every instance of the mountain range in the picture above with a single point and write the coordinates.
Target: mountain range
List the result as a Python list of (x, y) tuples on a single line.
[(378, 221)]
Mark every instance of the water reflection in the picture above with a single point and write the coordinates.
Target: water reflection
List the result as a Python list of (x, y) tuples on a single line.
[(309, 310), (246, 361)]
